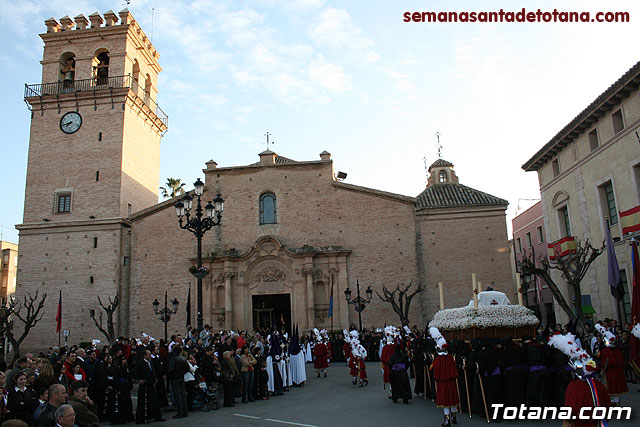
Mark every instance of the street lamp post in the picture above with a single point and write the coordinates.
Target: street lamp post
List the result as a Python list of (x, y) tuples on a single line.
[(199, 225), (165, 313), (359, 303)]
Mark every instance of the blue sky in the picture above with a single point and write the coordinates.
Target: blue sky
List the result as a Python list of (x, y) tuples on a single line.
[(349, 77)]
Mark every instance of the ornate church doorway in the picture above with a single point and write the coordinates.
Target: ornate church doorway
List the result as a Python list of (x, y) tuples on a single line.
[(271, 310)]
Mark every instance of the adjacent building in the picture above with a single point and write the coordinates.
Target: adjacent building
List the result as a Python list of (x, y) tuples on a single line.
[(589, 172), (529, 240), (8, 269), (292, 232)]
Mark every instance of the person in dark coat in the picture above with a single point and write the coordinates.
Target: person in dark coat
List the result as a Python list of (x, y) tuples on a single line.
[(83, 406), (57, 397), (229, 376), (398, 364), (559, 377), (160, 366), (491, 373), (460, 354), (511, 362), (147, 407), (417, 360), (178, 366), (20, 400), (98, 383), (537, 357), (260, 388), (123, 408)]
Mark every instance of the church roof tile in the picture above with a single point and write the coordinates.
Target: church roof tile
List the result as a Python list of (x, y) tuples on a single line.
[(451, 195)]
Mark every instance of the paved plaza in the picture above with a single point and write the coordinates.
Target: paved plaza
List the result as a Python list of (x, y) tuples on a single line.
[(335, 402)]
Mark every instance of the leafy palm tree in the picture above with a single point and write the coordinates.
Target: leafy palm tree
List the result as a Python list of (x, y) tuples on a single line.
[(174, 187)]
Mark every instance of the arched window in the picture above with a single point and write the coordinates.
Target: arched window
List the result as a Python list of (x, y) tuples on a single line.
[(67, 69), (147, 89), (135, 74), (268, 209), (101, 68), (443, 176)]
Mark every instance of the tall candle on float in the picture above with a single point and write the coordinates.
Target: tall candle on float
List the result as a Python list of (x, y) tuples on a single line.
[(474, 282), (519, 286), (441, 296)]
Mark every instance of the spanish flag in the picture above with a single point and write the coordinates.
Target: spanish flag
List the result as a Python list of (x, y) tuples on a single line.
[(630, 220), (562, 247)]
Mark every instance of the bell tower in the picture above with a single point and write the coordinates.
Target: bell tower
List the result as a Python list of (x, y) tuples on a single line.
[(94, 159)]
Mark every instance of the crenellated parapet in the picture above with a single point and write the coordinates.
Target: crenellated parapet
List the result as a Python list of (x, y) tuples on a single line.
[(97, 21)]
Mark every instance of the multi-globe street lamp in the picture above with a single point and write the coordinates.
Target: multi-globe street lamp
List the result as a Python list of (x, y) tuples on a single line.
[(199, 225), (166, 312), (359, 303)]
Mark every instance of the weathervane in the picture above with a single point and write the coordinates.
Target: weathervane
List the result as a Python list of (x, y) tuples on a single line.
[(269, 142), (426, 171), (438, 145)]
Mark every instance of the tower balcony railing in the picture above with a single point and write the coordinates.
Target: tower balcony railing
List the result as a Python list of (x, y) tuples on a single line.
[(93, 85)]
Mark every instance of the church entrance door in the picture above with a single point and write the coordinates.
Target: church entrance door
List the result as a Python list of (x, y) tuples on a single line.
[(271, 310)]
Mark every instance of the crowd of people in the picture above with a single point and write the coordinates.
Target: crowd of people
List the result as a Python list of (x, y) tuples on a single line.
[(528, 371), (100, 383), (88, 386)]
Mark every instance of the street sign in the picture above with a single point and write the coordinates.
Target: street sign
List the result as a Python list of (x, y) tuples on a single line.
[(65, 332)]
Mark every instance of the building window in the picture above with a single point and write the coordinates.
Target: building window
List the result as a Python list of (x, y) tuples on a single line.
[(618, 123), (519, 244), (97, 175), (556, 167), (443, 176), (91, 279), (593, 139), (63, 203), (95, 242), (268, 209), (626, 299), (540, 235), (529, 242), (126, 260), (129, 209), (636, 175), (609, 197), (565, 224), (101, 68)]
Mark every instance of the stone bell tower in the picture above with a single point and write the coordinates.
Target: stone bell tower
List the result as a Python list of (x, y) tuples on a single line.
[(94, 159)]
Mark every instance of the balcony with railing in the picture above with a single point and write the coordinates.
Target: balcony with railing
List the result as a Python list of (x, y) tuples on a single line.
[(93, 85)]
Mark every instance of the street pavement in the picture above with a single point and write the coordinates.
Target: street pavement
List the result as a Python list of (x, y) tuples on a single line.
[(334, 401)]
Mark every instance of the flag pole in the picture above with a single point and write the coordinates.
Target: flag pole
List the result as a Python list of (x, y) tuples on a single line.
[(332, 302)]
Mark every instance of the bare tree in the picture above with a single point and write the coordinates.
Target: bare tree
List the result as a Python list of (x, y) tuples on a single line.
[(109, 309), (573, 268), (403, 302), (33, 305)]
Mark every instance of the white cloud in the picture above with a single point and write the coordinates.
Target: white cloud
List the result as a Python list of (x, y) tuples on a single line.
[(330, 76), (335, 29)]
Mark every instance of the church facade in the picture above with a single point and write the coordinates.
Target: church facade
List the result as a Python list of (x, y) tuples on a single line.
[(291, 234)]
